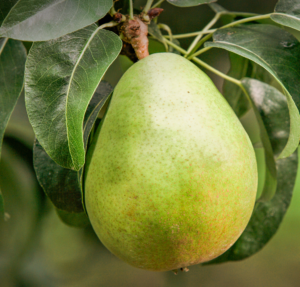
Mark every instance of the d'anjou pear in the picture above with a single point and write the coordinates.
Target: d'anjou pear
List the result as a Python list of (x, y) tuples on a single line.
[(172, 177)]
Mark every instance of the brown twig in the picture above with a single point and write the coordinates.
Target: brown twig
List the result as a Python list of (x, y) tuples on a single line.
[(135, 31)]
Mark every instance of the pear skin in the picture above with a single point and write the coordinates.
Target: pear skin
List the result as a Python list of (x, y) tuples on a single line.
[(172, 176)]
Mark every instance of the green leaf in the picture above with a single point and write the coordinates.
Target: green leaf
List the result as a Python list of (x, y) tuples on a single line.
[(189, 3), (12, 64), (239, 67), (217, 8), (80, 220), (267, 216), (61, 78), (279, 53), (64, 186), (5, 6), (41, 20), (261, 74), (287, 13), (155, 32), (262, 95), (273, 109)]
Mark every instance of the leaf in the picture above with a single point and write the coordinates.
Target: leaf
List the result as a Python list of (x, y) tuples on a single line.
[(64, 186), (189, 3), (217, 8), (279, 53), (41, 20), (267, 216), (287, 13), (273, 109), (5, 7), (61, 77), (260, 96), (80, 220), (155, 32), (261, 74), (239, 67), (12, 64)]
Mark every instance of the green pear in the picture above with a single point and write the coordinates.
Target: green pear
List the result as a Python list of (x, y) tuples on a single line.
[(172, 175)]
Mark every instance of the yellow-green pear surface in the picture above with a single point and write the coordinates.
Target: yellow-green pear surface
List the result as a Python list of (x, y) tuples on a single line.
[(172, 177)]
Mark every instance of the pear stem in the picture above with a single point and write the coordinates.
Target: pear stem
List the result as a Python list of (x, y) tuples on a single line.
[(203, 64), (130, 10), (107, 25), (157, 4), (176, 47), (169, 31), (206, 28), (207, 37), (188, 35), (148, 6), (210, 68)]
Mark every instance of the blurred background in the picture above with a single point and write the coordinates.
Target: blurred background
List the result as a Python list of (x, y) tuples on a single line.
[(37, 249)]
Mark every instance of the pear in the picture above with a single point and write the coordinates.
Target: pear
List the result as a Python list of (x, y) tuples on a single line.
[(172, 174)]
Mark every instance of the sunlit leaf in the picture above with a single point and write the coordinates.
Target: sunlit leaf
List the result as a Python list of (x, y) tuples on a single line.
[(12, 64), (64, 186), (279, 53), (287, 13), (61, 78), (41, 20)]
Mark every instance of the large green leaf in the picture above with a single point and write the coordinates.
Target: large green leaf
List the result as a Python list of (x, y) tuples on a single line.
[(239, 67), (287, 13), (64, 186), (61, 78), (189, 3), (279, 53), (41, 20), (12, 64), (268, 215), (5, 6)]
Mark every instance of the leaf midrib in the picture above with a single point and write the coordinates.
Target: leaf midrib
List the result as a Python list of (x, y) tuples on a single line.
[(71, 79)]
